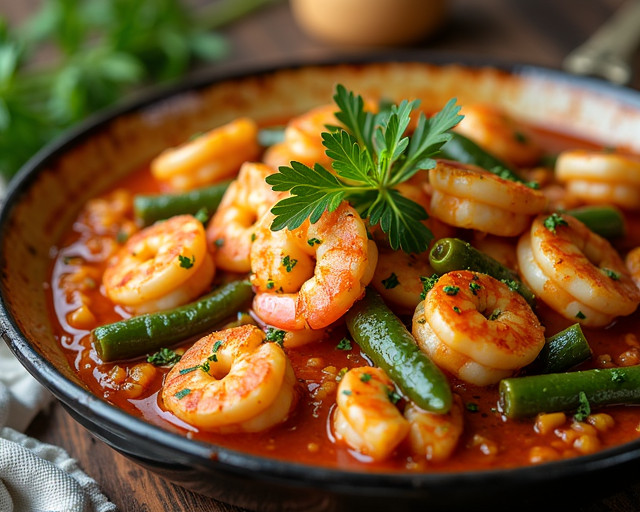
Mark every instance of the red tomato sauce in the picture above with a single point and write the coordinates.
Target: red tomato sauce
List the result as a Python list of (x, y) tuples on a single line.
[(489, 439)]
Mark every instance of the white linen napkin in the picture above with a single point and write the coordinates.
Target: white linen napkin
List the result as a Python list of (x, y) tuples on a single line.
[(34, 476)]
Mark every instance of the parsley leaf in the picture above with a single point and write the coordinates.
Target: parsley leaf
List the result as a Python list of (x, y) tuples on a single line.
[(584, 407), (164, 357), (186, 262), (370, 156), (553, 221)]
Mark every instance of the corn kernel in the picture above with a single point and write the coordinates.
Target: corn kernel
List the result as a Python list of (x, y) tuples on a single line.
[(584, 428), (567, 435), (539, 454), (587, 444), (547, 423), (604, 361), (117, 375), (81, 318), (487, 446), (629, 357), (601, 421)]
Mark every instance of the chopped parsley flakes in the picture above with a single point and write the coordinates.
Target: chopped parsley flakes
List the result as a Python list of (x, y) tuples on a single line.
[(164, 357), (344, 344), (288, 263), (553, 221), (391, 281), (584, 407), (186, 262)]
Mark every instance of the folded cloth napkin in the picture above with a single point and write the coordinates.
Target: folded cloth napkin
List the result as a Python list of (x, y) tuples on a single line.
[(36, 477)]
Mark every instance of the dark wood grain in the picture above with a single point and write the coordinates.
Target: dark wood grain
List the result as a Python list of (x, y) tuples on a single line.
[(540, 33)]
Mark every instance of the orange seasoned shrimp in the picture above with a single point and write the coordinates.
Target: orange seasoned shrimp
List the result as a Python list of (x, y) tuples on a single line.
[(477, 328), (209, 158), (632, 261), (397, 277), (600, 177), (231, 229), (435, 436), (575, 271), (499, 134), (162, 266), (230, 381), (311, 276), (470, 197), (365, 418), (302, 139)]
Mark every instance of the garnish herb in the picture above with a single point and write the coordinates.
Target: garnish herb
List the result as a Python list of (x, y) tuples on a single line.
[(427, 284), (371, 156), (584, 407), (219, 242), (513, 285), (253, 237), (314, 241), (580, 315), (275, 335), (288, 263), (553, 221), (612, 274), (344, 344), (365, 377), (475, 288), (216, 346), (122, 237), (394, 396), (472, 407), (270, 284), (164, 357), (496, 313), (186, 262), (182, 393), (618, 376), (346, 392), (391, 281), (451, 290), (457, 309)]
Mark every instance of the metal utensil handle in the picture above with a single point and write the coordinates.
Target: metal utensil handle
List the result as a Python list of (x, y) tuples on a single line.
[(608, 51)]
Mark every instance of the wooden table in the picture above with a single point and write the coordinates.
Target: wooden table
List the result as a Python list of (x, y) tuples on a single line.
[(540, 33)]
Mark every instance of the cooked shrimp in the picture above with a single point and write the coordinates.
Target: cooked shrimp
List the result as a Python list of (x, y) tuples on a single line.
[(477, 328), (435, 436), (209, 158), (365, 417), (632, 261), (397, 277), (600, 177), (472, 198), (499, 134), (162, 266), (575, 271), (311, 276), (230, 381), (302, 139), (231, 229)]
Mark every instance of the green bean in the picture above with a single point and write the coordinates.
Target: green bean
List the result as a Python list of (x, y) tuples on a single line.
[(562, 351), (449, 254), (383, 337), (151, 208), (553, 392), (606, 221), (142, 334), (463, 149)]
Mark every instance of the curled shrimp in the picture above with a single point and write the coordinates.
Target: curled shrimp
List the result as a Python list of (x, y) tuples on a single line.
[(311, 276), (632, 261), (160, 267), (435, 436), (575, 271), (230, 381), (499, 134), (366, 418), (477, 328), (231, 229), (302, 139), (600, 177), (209, 158), (470, 197)]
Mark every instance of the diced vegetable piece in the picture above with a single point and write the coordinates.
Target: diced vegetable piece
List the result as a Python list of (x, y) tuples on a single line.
[(528, 396), (562, 351), (606, 221), (449, 254), (385, 339), (143, 334), (151, 208)]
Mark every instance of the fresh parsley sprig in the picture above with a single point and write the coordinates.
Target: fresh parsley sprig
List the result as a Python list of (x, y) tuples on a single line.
[(371, 156)]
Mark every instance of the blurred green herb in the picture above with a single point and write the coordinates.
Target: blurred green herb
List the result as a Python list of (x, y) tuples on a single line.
[(96, 52)]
